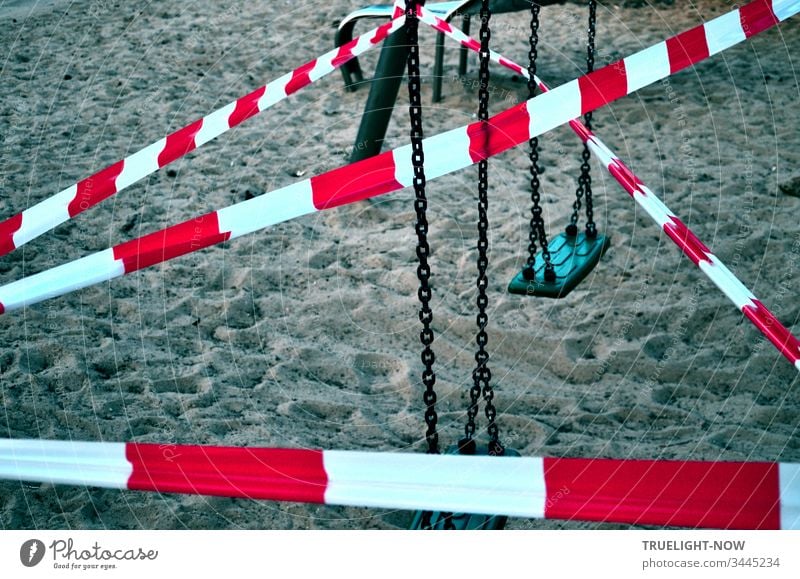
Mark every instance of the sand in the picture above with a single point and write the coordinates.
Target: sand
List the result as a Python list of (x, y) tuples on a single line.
[(305, 335)]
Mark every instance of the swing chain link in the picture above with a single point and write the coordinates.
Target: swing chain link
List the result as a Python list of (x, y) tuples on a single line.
[(421, 227), (585, 179), (482, 375), (481, 356), (423, 248), (537, 232)]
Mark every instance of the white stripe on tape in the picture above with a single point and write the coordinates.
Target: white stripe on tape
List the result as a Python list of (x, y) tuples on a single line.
[(476, 484), (447, 152), (276, 91), (403, 168), (789, 477), (139, 164), (603, 153), (784, 9), (723, 32), (214, 124), (322, 66), (727, 282), (553, 108), (267, 209), (45, 215), (647, 201), (75, 275), (647, 66), (64, 462)]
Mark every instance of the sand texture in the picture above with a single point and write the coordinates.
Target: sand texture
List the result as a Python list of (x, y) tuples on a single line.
[(306, 334)]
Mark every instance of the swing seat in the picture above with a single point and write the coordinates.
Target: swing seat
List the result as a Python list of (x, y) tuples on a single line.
[(464, 521), (573, 258)]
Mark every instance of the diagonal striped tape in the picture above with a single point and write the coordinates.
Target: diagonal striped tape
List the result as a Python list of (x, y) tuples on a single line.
[(45, 215), (755, 311)]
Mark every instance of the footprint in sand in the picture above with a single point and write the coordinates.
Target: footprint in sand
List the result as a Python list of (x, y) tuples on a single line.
[(195, 383), (379, 368), (317, 411), (242, 312)]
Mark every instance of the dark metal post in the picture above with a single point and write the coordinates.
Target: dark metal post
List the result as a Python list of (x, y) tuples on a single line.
[(438, 68), (463, 51), (382, 96)]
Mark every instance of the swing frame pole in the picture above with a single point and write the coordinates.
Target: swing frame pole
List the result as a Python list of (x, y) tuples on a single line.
[(382, 96)]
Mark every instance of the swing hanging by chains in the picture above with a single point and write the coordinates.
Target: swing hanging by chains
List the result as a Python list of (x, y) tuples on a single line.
[(563, 262), (481, 375)]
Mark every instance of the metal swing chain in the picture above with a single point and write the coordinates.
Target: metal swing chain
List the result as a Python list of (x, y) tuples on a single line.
[(423, 249), (421, 226), (537, 231), (482, 375), (585, 179), (481, 356)]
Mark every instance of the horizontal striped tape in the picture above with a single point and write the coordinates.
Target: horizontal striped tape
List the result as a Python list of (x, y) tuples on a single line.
[(741, 495)]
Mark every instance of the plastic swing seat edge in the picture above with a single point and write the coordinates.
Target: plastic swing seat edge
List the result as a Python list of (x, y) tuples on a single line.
[(573, 259)]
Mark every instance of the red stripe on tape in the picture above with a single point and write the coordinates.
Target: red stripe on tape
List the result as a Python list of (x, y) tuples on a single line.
[(777, 333), (581, 130), (682, 493), (625, 177), (256, 473), (472, 44), (444, 26), (179, 143), (383, 31), (300, 77), (171, 242), (96, 188), (503, 131), (355, 182), (7, 230), (344, 53), (503, 61), (603, 86), (246, 107), (687, 48), (695, 249), (757, 17)]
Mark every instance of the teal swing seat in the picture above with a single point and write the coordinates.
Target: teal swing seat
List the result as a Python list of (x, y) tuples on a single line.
[(573, 257)]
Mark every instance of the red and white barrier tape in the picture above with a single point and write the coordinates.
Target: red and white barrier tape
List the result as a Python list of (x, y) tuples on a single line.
[(392, 170), (780, 336), (45, 215), (728, 495)]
